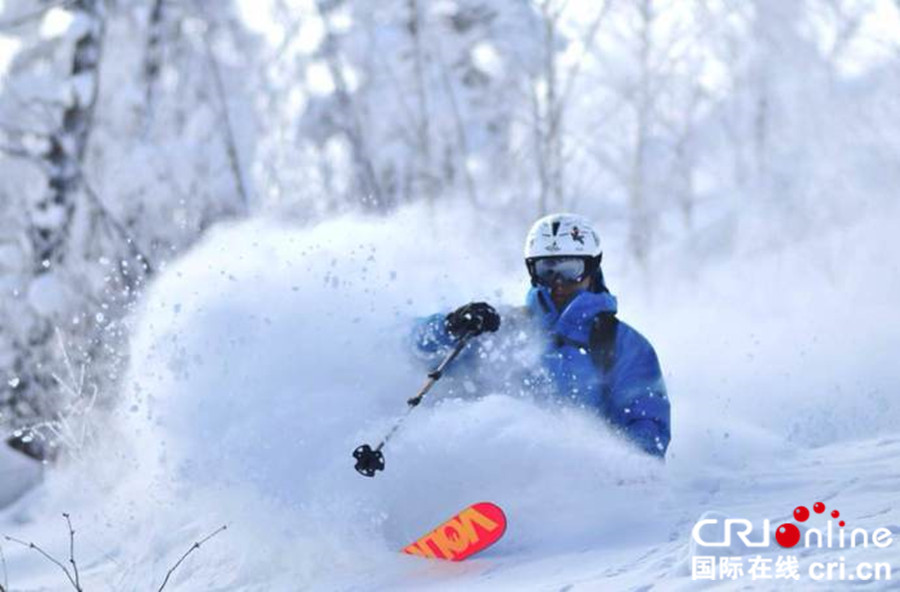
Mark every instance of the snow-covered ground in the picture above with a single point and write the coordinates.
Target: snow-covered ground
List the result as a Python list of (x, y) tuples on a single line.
[(266, 355)]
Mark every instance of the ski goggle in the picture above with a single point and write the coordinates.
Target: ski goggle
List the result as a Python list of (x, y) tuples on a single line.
[(553, 270)]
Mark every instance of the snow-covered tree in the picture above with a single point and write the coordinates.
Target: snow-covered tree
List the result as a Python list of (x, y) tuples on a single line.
[(406, 100), (130, 127), (114, 160)]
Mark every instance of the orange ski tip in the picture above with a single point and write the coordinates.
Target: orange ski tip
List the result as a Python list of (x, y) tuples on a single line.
[(472, 530), (492, 509)]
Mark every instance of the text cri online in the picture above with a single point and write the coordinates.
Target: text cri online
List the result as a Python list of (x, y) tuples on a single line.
[(786, 567)]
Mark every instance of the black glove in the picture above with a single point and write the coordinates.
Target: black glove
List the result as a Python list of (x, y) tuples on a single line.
[(473, 319)]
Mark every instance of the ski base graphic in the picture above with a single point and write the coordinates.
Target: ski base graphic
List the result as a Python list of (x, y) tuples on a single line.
[(474, 529)]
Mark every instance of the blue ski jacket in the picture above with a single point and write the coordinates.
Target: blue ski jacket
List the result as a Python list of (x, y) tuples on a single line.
[(631, 395)]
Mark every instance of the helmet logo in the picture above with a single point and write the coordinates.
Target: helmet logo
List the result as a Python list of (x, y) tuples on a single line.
[(576, 235), (561, 234)]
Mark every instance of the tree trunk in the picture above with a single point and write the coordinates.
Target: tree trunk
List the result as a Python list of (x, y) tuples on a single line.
[(152, 58), (640, 217), (372, 197), (52, 214), (424, 179)]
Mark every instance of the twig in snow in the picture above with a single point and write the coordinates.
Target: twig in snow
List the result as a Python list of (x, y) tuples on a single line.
[(49, 558), (72, 550), (77, 387), (193, 548), (82, 400)]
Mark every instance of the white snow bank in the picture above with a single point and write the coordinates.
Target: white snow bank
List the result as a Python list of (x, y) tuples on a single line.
[(263, 358), (267, 354)]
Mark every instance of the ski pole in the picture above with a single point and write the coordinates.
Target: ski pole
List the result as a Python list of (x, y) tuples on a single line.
[(368, 460)]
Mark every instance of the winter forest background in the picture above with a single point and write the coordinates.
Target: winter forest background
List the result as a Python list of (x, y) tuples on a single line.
[(128, 128)]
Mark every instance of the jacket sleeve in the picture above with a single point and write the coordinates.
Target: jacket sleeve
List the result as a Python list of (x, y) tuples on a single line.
[(429, 338), (638, 403)]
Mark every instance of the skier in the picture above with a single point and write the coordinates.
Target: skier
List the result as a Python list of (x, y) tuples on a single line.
[(588, 356)]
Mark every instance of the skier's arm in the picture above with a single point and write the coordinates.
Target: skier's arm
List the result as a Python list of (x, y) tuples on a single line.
[(640, 404), (430, 339), (432, 336)]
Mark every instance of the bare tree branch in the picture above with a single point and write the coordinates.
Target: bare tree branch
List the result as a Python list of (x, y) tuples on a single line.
[(117, 227), (552, 140), (587, 44), (193, 548), (228, 129), (397, 86), (49, 558), (72, 549), (373, 195), (423, 165), (461, 136)]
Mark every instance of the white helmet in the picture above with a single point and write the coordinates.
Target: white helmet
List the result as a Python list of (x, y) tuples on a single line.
[(562, 247), (562, 235)]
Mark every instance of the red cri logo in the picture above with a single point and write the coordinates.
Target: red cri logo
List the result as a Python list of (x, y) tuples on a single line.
[(788, 534)]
